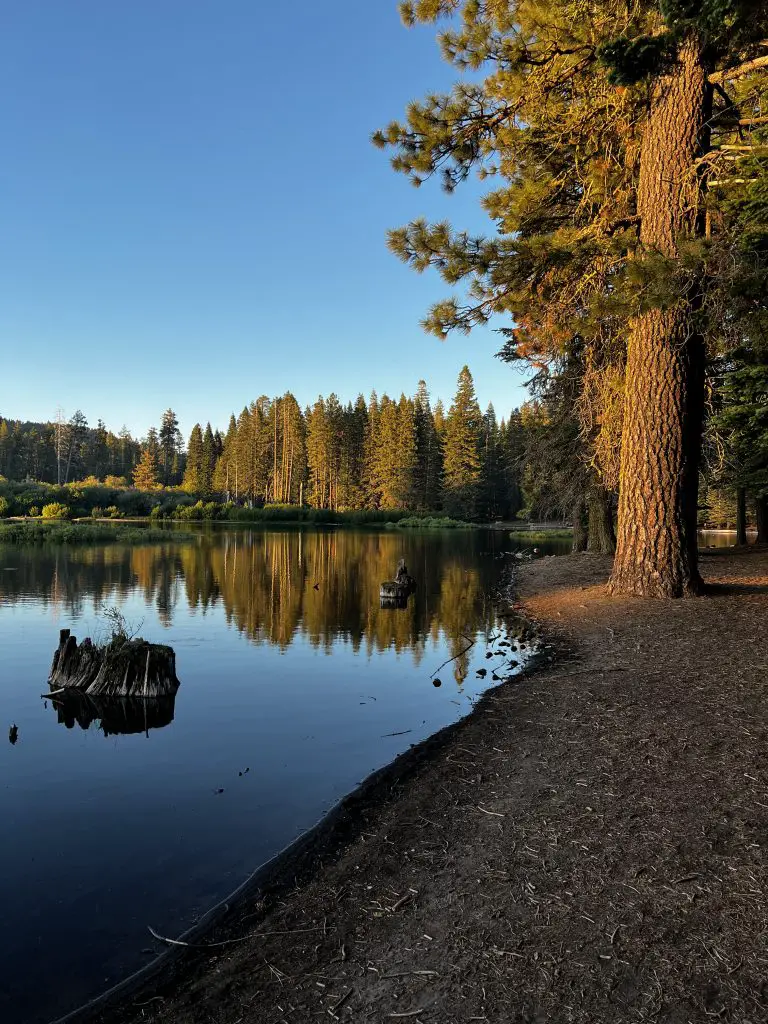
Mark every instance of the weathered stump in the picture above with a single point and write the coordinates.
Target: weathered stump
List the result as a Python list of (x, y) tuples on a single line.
[(122, 668), (395, 593)]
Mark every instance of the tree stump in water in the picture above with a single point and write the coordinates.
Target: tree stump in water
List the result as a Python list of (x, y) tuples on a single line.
[(122, 668), (395, 593)]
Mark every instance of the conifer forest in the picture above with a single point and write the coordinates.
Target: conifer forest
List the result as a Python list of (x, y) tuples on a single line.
[(390, 703), (625, 154)]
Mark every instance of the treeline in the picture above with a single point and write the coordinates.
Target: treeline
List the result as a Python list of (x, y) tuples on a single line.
[(379, 454)]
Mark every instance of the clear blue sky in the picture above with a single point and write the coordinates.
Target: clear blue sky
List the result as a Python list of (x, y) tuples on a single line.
[(192, 214)]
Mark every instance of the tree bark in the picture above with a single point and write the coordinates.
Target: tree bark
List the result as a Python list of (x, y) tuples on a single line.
[(602, 539), (579, 526), (664, 398), (762, 519), (741, 516)]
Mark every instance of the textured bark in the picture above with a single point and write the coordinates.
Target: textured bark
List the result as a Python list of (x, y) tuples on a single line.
[(664, 400), (579, 526), (134, 668), (602, 538), (762, 520), (741, 516)]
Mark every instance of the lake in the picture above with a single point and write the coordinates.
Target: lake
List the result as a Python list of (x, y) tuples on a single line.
[(295, 685)]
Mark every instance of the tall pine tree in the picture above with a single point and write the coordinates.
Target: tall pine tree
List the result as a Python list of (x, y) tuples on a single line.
[(461, 451)]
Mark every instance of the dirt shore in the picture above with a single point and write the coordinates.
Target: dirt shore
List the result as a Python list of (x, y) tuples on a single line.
[(591, 845)]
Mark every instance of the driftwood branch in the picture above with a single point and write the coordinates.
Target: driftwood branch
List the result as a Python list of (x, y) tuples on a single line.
[(455, 657), (226, 942)]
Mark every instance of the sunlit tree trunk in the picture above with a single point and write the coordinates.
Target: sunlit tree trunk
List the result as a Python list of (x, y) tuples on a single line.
[(661, 443)]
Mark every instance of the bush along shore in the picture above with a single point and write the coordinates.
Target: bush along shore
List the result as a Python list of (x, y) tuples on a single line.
[(41, 532), (588, 845), (95, 500)]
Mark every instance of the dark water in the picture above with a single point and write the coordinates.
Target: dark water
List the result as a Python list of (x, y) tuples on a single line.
[(111, 815)]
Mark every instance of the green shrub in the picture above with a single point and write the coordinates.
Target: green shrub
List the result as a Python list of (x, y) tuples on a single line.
[(5, 507), (113, 512), (55, 510), (33, 511), (97, 512), (431, 523)]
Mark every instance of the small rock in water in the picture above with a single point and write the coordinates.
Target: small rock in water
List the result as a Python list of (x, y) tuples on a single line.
[(13, 733), (217, 791), (482, 673), (437, 682)]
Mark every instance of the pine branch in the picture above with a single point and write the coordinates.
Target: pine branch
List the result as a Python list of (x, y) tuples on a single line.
[(730, 74)]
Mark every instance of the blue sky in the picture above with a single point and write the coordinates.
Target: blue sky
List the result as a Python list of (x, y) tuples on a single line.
[(192, 214)]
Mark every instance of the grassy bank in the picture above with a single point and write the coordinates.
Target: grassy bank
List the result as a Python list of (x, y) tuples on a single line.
[(85, 533)]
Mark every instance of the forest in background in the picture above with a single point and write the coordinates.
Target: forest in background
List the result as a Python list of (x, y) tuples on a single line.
[(376, 455)]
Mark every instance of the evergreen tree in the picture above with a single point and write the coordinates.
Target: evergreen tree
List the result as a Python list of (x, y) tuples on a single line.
[(170, 441), (98, 455), (597, 121), (194, 475), (461, 451), (372, 442), (490, 500), (208, 461), (76, 436), (146, 472), (428, 470)]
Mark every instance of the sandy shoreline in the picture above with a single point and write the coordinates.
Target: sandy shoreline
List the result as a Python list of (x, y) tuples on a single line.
[(589, 845)]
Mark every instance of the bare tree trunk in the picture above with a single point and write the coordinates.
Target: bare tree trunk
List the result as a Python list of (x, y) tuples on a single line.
[(661, 443), (579, 525), (602, 538), (741, 516), (762, 519)]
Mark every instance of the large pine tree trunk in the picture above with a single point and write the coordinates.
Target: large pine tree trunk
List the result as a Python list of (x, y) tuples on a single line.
[(579, 525), (602, 538), (661, 443), (741, 516), (762, 520)]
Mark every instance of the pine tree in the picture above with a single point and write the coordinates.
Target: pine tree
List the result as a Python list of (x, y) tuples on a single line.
[(371, 454), (461, 451), (428, 470), (170, 441), (596, 120), (194, 475), (491, 484), (146, 472), (208, 462), (76, 435)]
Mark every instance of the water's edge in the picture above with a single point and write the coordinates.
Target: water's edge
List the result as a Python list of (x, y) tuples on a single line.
[(300, 860)]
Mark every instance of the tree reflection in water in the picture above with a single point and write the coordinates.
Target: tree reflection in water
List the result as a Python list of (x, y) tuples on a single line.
[(264, 582), (116, 716)]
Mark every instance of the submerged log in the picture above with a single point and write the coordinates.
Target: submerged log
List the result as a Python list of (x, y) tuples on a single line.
[(122, 668)]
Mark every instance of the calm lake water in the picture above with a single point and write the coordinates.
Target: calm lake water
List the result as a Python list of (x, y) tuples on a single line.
[(122, 816)]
